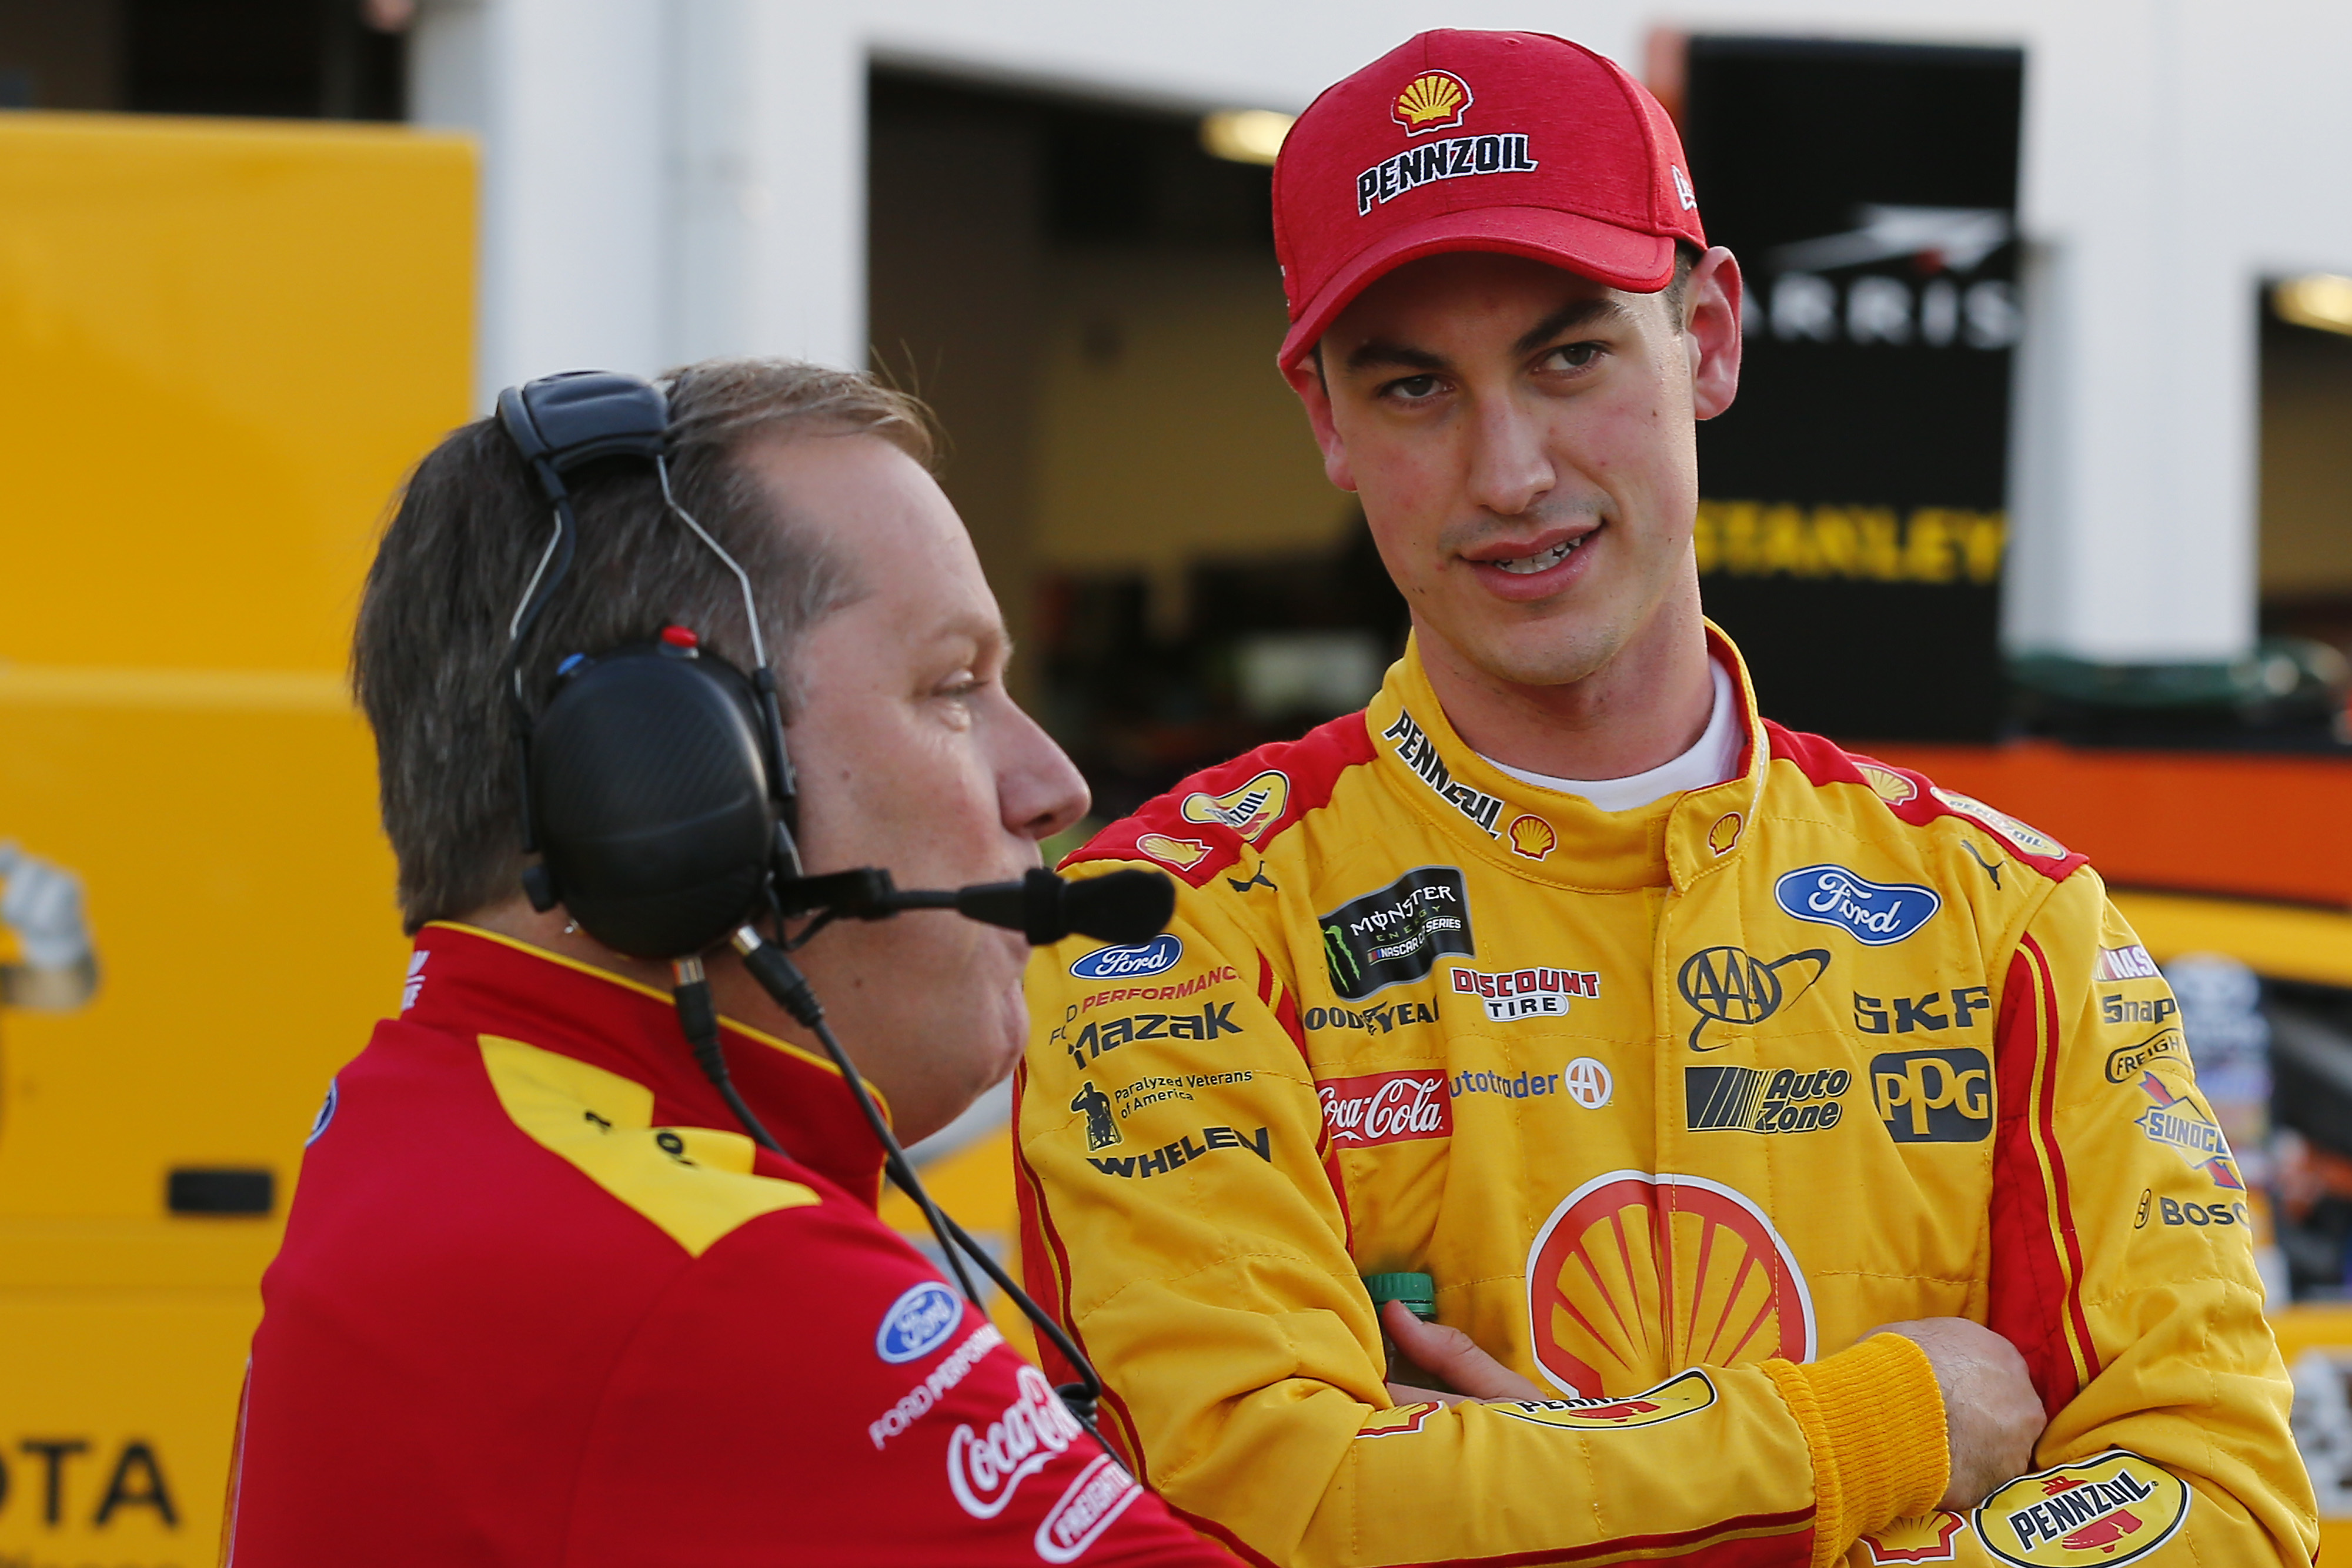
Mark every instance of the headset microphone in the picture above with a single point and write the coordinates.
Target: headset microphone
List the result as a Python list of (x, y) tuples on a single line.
[(1125, 906)]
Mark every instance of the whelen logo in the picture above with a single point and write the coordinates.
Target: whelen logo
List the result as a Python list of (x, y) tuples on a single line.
[(1386, 1108)]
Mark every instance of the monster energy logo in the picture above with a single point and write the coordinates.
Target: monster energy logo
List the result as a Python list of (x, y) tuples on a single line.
[(1397, 934)]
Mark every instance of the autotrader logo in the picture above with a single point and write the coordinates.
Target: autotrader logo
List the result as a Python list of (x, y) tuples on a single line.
[(1732, 985)]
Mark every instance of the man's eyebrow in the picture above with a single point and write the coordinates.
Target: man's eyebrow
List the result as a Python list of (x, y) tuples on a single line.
[(1567, 317), (1364, 356)]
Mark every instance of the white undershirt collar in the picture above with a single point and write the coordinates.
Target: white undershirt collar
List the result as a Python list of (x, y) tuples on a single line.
[(1714, 761)]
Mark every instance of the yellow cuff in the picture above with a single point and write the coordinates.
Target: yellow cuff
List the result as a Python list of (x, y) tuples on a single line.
[(1875, 1422)]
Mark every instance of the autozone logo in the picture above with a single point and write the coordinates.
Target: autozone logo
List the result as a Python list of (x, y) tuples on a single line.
[(1386, 1108), (984, 1470)]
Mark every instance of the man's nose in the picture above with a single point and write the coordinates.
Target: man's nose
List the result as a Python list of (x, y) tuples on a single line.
[(1509, 470), (1039, 790)]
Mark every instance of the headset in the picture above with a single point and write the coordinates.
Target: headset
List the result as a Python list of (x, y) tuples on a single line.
[(658, 795)]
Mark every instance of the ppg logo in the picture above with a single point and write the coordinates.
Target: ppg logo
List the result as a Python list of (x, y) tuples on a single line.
[(917, 1322), (1933, 1096), (1873, 912), (1156, 956)]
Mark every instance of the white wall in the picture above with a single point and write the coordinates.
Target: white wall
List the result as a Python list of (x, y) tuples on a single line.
[(672, 178)]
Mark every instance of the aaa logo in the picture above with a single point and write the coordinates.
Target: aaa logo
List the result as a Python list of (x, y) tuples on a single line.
[(2114, 1508), (1433, 100), (1732, 985), (1248, 810)]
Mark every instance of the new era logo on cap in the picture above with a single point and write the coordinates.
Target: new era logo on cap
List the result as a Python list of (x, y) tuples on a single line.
[(1554, 154)]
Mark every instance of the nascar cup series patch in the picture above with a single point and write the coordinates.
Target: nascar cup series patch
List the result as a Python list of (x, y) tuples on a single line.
[(1677, 1397), (2113, 1509)]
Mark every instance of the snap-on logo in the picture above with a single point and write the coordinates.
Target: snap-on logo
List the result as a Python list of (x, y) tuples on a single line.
[(1386, 1108), (1874, 913)]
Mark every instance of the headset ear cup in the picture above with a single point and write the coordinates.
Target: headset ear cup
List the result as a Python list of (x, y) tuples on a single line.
[(651, 790)]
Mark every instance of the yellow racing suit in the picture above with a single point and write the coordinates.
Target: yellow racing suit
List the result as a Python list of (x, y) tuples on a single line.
[(1676, 1105)]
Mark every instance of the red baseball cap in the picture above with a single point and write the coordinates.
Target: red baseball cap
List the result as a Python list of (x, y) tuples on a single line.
[(1517, 143)]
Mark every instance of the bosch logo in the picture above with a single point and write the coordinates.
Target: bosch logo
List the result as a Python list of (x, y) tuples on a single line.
[(1874, 913), (917, 1322), (1157, 957)]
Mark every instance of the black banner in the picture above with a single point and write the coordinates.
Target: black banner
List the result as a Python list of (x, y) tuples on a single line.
[(1853, 532)]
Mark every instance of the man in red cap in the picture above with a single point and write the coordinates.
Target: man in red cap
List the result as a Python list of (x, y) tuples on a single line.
[(1670, 1055)]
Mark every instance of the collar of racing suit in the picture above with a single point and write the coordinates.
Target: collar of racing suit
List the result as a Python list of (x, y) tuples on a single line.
[(469, 982), (1548, 836)]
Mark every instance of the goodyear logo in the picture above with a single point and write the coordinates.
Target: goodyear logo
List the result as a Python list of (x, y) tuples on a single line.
[(1670, 1400), (1942, 1096), (2113, 1509), (1732, 985), (1248, 810), (2183, 1125)]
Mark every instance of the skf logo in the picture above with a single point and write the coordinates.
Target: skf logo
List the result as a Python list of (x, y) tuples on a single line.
[(2113, 1509), (1248, 810), (1933, 1096), (1181, 853), (1433, 100), (1532, 838), (1732, 985), (1870, 1015), (1675, 1397)]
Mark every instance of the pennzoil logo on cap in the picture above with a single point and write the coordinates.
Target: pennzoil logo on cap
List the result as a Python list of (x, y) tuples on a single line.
[(2112, 1509), (1433, 100)]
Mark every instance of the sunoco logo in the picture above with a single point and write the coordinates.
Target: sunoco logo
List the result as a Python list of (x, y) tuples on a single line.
[(1157, 957), (1874, 913), (1398, 934), (1731, 986), (2113, 1509)]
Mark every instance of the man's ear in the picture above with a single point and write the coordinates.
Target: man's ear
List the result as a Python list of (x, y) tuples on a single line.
[(1711, 327), (1306, 379)]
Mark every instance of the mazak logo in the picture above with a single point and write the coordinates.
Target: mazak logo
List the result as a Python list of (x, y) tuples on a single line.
[(1938, 1096), (2182, 1126), (1433, 100), (917, 1322), (1214, 1020), (1396, 935), (1248, 810), (1763, 1099), (1386, 1108), (1874, 913), (1157, 957), (1515, 994), (1417, 751), (2112, 1509), (984, 1470), (1732, 985)]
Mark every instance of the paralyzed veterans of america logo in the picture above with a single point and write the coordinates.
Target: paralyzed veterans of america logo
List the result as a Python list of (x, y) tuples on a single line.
[(1732, 985), (1248, 810), (1157, 957), (2114, 1508), (1873, 913), (1625, 1247), (1397, 934), (2182, 1126)]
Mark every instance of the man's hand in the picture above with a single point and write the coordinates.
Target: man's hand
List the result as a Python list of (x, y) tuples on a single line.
[(1991, 1413), (1453, 1356), (43, 907)]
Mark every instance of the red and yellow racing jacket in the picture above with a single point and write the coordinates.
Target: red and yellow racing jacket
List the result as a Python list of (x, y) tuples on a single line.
[(1676, 1105)]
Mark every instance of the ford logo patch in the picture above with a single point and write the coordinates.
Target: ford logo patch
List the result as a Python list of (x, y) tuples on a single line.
[(919, 1322), (1156, 956), (1873, 913)]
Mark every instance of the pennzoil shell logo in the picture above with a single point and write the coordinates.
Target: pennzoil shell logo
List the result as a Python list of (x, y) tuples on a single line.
[(1925, 1538), (1674, 1398), (1248, 810), (2031, 840), (1433, 100), (1181, 853), (1886, 784), (2114, 1509), (1531, 837), (1630, 1249), (1400, 1421)]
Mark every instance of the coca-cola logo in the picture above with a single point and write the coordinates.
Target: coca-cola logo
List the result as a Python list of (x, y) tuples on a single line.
[(984, 1470), (1386, 1108)]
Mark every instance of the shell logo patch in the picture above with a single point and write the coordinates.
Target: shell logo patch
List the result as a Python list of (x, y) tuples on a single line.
[(2029, 841), (1248, 810), (1674, 1398), (2114, 1508), (1691, 1257), (1181, 853), (1433, 100), (1888, 785), (1724, 835), (1928, 1538), (1531, 837), (1398, 1421)]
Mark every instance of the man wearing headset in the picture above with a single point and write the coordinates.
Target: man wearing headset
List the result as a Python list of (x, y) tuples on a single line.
[(1680, 1052), (541, 1301)]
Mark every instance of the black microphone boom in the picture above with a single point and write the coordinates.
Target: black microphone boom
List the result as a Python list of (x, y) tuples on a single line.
[(1124, 907)]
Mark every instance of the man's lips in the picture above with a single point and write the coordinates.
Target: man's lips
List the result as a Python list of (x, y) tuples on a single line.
[(1529, 570)]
